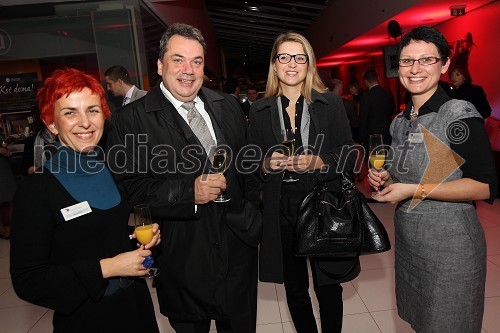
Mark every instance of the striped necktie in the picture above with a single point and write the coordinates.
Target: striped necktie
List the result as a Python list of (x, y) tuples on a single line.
[(199, 127)]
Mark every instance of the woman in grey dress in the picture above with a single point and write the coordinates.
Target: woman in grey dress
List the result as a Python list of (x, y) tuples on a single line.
[(439, 163)]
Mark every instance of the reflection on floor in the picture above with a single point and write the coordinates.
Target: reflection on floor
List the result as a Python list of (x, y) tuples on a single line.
[(369, 302)]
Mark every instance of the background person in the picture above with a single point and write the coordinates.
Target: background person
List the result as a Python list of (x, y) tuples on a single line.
[(78, 260), (208, 263), (296, 99), (462, 88), (376, 108), (118, 83), (252, 96), (440, 246)]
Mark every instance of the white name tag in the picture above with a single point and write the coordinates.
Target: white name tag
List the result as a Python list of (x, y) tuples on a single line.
[(416, 137), (75, 211)]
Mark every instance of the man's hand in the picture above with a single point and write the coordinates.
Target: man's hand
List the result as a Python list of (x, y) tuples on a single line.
[(207, 187)]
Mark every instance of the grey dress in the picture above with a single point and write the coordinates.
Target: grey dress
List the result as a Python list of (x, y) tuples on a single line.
[(440, 248)]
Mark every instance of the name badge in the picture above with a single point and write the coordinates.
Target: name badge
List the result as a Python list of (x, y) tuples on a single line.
[(416, 137), (72, 212)]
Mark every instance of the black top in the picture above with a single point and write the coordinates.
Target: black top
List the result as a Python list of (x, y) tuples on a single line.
[(475, 150), (474, 94), (55, 263)]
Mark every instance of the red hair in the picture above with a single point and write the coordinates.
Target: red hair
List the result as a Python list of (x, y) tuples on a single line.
[(60, 84)]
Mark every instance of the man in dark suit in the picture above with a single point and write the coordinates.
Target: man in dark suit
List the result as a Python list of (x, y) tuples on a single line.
[(252, 95), (119, 84), (376, 109), (208, 256)]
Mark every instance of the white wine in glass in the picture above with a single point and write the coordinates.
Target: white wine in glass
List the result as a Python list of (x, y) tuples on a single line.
[(144, 234), (220, 163), (289, 143)]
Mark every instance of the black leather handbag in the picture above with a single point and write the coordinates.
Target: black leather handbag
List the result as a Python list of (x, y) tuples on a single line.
[(338, 223)]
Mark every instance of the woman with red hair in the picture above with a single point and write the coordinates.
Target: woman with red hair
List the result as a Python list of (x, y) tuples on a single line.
[(70, 249)]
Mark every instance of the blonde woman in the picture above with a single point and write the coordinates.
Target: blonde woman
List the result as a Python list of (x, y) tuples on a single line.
[(297, 100)]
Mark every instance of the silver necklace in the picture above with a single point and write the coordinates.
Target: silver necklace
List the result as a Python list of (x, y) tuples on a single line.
[(413, 113)]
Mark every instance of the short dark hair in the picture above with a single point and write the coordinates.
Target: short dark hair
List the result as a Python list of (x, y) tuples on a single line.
[(371, 76), (183, 30), (252, 88), (118, 72), (428, 35)]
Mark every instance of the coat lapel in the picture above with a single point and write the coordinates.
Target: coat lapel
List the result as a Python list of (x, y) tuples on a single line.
[(275, 122)]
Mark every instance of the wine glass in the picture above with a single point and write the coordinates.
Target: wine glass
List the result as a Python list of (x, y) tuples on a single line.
[(377, 152), (220, 163), (289, 143), (144, 234)]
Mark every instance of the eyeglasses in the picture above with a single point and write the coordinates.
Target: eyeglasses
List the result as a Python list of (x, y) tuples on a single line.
[(425, 61), (285, 58)]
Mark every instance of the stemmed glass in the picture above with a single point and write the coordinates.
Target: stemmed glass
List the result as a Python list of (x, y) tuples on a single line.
[(289, 142), (144, 235), (377, 152), (220, 164)]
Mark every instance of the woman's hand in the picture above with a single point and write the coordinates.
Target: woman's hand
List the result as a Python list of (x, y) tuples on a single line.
[(395, 193), (125, 264), (378, 178), (303, 163), (156, 237), (276, 162)]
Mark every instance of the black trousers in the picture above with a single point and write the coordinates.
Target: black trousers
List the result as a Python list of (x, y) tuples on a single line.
[(241, 292), (296, 281)]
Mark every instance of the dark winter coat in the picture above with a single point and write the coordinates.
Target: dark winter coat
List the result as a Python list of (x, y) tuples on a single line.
[(328, 118), (157, 169)]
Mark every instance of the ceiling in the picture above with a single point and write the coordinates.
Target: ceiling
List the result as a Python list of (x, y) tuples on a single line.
[(246, 30), (340, 31)]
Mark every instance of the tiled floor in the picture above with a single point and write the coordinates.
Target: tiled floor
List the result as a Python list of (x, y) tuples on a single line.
[(369, 302)]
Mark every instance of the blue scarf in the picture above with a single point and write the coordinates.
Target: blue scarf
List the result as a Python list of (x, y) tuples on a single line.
[(84, 176)]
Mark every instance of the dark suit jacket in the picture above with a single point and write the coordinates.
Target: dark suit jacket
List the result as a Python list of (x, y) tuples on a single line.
[(377, 107), (156, 157), (246, 108)]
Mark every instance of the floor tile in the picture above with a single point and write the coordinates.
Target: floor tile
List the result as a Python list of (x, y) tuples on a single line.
[(360, 323), (376, 288), (44, 325), (268, 311), (379, 260), (20, 319), (492, 240), (352, 301), (491, 318), (270, 328), (4, 267), (5, 284), (492, 281), (495, 259), (389, 322), (4, 248), (10, 299)]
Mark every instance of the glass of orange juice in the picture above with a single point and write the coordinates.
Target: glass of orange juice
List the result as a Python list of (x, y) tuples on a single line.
[(144, 234), (377, 152)]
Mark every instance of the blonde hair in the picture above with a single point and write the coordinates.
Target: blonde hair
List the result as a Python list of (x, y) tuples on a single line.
[(312, 80)]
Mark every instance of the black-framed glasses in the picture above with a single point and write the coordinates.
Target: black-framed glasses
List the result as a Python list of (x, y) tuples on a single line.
[(285, 58), (425, 61)]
